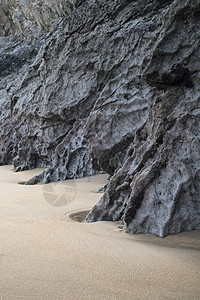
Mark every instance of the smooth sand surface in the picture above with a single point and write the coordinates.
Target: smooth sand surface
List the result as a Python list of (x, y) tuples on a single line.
[(44, 254)]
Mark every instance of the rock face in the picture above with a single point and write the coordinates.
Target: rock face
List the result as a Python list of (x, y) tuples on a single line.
[(31, 18), (157, 189), (113, 87), (72, 109)]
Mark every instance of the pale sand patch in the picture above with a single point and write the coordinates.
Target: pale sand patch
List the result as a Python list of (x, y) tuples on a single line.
[(46, 255)]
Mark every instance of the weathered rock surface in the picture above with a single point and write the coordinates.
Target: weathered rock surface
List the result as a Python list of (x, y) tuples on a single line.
[(31, 18), (157, 189), (85, 78), (113, 87)]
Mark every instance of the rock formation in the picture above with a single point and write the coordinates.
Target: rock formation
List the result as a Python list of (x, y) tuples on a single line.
[(114, 86), (157, 189), (31, 18)]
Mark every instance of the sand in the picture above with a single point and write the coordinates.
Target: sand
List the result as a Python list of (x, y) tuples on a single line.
[(47, 253)]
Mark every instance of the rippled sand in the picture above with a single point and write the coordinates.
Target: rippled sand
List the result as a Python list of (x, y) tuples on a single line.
[(48, 252)]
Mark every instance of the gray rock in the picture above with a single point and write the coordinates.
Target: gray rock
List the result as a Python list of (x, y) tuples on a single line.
[(32, 18), (112, 86), (85, 78), (157, 189)]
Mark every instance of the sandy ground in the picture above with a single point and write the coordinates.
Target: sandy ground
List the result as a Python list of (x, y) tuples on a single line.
[(45, 253)]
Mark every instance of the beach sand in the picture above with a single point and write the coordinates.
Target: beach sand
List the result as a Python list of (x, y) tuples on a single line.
[(46, 252)]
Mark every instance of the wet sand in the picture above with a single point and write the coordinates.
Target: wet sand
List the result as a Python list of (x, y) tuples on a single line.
[(47, 252)]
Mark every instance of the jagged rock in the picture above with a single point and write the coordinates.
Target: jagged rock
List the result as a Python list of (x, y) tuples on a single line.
[(31, 18), (25, 136), (157, 189), (113, 87), (72, 110)]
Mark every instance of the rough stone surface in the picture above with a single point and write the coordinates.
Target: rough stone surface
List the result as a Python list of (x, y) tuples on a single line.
[(157, 189), (31, 18), (113, 87), (72, 109)]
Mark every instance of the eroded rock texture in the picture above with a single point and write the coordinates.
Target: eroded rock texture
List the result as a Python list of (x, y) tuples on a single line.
[(157, 189), (31, 18), (113, 87), (72, 109)]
